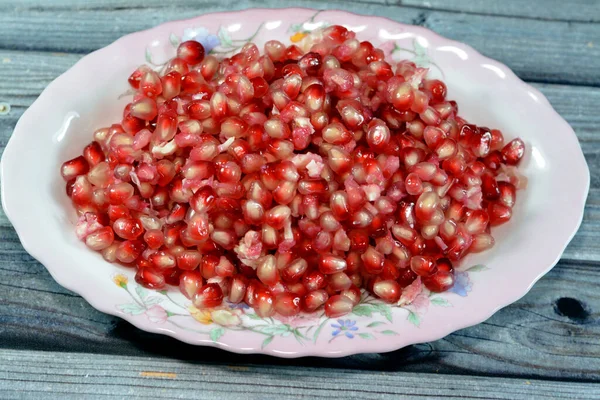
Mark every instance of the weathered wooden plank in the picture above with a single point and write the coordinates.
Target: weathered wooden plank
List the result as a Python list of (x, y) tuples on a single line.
[(575, 10), (569, 55), (93, 375), (557, 10), (538, 336)]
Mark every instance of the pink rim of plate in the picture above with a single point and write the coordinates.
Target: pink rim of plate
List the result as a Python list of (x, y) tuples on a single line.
[(556, 241)]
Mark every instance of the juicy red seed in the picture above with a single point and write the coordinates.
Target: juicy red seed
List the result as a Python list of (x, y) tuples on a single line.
[(191, 52), (423, 265), (513, 152), (128, 228), (388, 291), (75, 167), (338, 306), (264, 303), (190, 283), (150, 278), (93, 153), (209, 296), (440, 281), (287, 304)]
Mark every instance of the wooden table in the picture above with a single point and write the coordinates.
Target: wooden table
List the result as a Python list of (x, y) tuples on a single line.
[(547, 345)]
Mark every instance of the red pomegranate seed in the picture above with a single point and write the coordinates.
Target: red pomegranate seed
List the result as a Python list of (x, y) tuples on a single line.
[(508, 194), (330, 264), (75, 167), (190, 283), (128, 228), (191, 52), (423, 265), (440, 281), (388, 291), (93, 153), (513, 152), (264, 303), (338, 306), (498, 213), (100, 239), (287, 304), (150, 278), (129, 250), (313, 300), (209, 296)]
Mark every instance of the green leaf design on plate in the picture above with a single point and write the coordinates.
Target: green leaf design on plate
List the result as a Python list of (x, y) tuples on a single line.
[(440, 301), (274, 330), (253, 316), (266, 342), (366, 335), (216, 333), (478, 268), (374, 324), (385, 310), (148, 56), (163, 292), (388, 332), (225, 38), (131, 308), (142, 292), (150, 301), (413, 318), (174, 39), (363, 310)]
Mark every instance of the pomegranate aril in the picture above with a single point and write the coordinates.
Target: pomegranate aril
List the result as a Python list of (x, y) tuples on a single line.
[(128, 228), (264, 303), (287, 304), (150, 278), (294, 271), (75, 167), (423, 265), (440, 281), (129, 250), (498, 213), (190, 283), (208, 296), (513, 152), (388, 291), (100, 239), (330, 264), (314, 299), (508, 194), (337, 306), (191, 52), (93, 153)]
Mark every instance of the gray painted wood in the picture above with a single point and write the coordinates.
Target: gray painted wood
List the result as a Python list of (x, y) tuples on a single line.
[(523, 44), (94, 376), (553, 10), (542, 336)]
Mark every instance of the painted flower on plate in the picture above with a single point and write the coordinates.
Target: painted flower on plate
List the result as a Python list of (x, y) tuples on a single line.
[(344, 326)]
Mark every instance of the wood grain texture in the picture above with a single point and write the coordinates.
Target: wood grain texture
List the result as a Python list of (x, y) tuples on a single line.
[(524, 45), (553, 10), (89, 354), (91, 376)]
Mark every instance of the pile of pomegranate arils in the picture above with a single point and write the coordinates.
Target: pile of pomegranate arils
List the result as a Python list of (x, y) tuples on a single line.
[(292, 180)]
